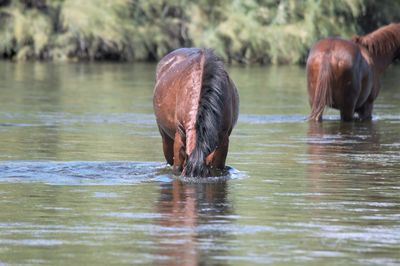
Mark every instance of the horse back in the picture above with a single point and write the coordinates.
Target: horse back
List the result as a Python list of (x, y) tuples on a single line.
[(177, 59), (178, 87), (337, 51)]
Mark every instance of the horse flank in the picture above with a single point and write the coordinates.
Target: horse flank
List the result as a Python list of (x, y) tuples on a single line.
[(323, 91), (383, 41), (209, 114)]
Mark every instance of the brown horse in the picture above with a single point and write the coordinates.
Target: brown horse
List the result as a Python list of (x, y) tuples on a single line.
[(344, 74), (196, 106)]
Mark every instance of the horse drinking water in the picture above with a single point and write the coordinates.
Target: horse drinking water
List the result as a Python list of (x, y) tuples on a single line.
[(196, 106), (344, 74)]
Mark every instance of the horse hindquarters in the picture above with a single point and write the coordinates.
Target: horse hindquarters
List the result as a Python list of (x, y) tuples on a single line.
[(334, 85), (336, 71), (196, 107)]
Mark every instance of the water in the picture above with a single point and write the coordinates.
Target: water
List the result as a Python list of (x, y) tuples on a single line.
[(83, 180)]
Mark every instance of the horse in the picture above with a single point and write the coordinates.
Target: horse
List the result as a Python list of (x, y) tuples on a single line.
[(196, 106), (344, 74)]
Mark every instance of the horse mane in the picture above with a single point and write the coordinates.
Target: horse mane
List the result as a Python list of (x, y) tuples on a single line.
[(381, 41), (209, 114)]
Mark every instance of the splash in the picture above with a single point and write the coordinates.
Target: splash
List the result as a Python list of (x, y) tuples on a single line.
[(99, 173)]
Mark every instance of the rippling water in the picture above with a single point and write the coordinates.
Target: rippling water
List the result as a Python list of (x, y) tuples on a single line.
[(83, 180)]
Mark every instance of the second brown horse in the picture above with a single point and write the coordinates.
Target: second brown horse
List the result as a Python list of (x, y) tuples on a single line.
[(344, 74), (196, 107)]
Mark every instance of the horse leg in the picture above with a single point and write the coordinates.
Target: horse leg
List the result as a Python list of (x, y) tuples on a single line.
[(218, 162), (365, 111), (168, 148), (350, 94), (347, 110), (179, 154), (346, 115)]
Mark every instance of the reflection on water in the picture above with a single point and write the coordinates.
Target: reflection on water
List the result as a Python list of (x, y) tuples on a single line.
[(355, 174), (193, 214), (335, 147), (356, 148), (83, 180)]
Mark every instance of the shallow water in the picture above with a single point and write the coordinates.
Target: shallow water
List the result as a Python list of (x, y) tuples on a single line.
[(83, 179)]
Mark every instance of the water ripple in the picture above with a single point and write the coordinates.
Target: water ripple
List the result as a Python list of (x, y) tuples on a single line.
[(97, 173), (80, 172)]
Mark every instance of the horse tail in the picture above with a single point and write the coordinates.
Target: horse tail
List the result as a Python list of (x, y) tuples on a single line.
[(209, 114), (323, 91)]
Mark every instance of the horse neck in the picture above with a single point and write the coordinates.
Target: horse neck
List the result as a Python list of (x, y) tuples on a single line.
[(383, 45)]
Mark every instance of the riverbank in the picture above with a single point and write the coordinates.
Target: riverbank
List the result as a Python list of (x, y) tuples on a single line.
[(244, 32)]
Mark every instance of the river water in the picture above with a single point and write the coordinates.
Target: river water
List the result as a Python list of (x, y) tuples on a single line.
[(83, 180)]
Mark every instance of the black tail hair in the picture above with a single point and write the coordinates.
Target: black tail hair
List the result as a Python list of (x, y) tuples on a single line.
[(209, 114)]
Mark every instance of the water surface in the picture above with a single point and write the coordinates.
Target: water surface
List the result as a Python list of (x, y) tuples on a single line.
[(83, 180)]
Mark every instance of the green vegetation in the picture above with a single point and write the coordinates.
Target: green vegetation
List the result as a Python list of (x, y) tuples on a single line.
[(244, 31)]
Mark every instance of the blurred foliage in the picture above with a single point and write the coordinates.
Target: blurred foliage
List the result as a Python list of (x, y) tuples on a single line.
[(244, 31)]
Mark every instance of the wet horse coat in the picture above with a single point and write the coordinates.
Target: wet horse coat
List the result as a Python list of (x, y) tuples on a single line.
[(344, 74), (196, 108)]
